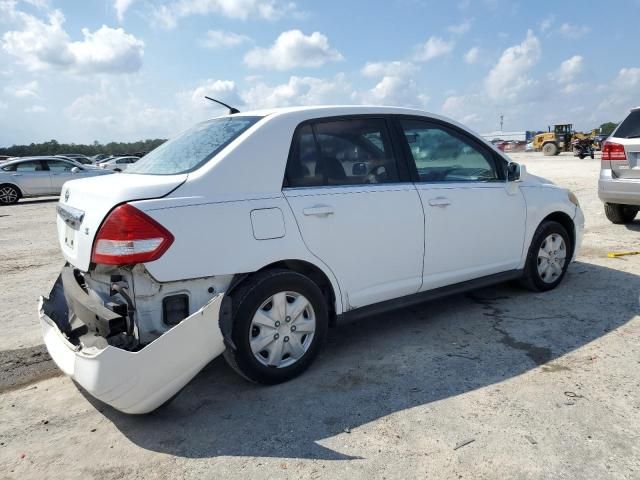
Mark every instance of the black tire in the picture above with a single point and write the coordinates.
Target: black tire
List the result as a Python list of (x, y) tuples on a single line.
[(581, 156), (9, 194), (247, 299), (592, 155), (531, 278), (549, 149), (620, 214)]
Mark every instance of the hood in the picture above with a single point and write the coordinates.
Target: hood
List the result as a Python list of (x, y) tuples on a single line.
[(84, 203)]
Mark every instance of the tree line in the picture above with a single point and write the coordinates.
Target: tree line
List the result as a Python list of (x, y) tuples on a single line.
[(52, 147)]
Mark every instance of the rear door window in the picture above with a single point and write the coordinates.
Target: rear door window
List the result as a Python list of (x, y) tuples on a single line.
[(630, 126), (352, 151)]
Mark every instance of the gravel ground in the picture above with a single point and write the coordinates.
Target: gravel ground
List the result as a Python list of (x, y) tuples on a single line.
[(497, 383)]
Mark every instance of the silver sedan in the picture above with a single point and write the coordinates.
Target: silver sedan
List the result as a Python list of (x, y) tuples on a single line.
[(39, 176)]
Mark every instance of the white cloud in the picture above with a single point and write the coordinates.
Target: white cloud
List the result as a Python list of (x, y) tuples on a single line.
[(169, 15), (298, 91), (223, 39), (509, 77), (459, 107), (27, 90), (396, 68), (35, 109), (107, 50), (396, 91), (40, 45), (472, 56), (460, 28), (121, 7), (547, 22), (432, 48), (623, 93), (293, 49), (573, 31), (111, 114), (569, 70)]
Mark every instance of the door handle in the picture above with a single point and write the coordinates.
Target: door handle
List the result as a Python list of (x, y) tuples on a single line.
[(17, 174), (318, 210), (440, 202)]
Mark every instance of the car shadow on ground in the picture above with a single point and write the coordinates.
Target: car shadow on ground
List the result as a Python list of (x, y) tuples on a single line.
[(34, 201), (385, 364)]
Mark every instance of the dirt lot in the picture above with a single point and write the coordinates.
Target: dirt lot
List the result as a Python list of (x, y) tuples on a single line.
[(498, 383)]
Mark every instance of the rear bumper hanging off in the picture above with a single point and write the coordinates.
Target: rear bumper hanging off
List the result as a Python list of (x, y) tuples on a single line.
[(132, 382)]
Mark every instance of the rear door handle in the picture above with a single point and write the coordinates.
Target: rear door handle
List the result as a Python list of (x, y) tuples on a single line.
[(440, 202), (318, 210), (17, 174)]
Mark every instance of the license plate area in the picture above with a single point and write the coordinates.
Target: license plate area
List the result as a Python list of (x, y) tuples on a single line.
[(69, 237)]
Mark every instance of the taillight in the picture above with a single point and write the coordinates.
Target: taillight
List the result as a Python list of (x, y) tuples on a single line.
[(130, 236), (613, 151)]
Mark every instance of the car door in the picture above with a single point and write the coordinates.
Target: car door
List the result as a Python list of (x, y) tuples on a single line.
[(356, 208), (474, 218), (31, 176), (60, 173)]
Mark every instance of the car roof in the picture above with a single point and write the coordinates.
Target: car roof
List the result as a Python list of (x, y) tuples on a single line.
[(31, 159), (334, 110)]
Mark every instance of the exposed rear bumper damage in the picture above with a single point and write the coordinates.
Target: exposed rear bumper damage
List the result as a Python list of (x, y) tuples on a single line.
[(131, 381)]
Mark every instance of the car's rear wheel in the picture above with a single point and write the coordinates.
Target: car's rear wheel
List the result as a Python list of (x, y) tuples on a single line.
[(617, 213), (548, 258), (280, 321), (9, 194)]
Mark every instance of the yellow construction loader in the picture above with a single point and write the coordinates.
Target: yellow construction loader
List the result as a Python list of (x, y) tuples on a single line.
[(556, 141)]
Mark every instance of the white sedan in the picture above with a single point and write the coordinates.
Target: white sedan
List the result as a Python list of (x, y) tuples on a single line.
[(118, 164), (39, 176), (251, 234)]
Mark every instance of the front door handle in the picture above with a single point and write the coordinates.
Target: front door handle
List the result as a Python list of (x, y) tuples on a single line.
[(17, 174), (440, 202), (318, 210)]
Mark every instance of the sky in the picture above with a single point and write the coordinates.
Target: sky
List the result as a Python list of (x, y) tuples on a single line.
[(126, 70)]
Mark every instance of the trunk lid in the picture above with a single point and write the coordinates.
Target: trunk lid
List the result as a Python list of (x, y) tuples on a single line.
[(84, 204)]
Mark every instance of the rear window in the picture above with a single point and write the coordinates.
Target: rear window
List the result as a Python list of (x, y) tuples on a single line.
[(192, 148), (630, 127)]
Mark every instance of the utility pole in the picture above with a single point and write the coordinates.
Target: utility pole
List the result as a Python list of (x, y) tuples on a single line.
[(501, 121)]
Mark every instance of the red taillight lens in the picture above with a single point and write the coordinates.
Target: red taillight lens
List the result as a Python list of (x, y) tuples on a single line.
[(613, 151), (130, 236)]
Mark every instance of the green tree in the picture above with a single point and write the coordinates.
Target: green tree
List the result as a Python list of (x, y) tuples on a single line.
[(52, 147), (607, 128)]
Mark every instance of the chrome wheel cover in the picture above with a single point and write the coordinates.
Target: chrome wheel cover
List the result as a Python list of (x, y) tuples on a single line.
[(551, 258), (282, 329)]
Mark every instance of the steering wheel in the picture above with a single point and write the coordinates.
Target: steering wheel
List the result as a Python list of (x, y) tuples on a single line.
[(375, 173)]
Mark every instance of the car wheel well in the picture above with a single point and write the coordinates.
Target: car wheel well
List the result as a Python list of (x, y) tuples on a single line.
[(304, 268), (566, 221), (14, 186)]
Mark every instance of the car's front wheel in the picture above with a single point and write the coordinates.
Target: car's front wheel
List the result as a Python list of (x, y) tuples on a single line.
[(548, 258), (280, 322), (617, 213), (9, 194)]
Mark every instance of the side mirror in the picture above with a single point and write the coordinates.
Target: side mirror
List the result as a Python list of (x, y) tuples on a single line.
[(75, 170), (515, 172)]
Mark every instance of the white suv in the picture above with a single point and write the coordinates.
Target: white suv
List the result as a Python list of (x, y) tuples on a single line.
[(619, 183), (251, 234)]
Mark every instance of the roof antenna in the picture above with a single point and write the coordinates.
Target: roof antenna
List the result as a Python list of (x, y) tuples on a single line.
[(231, 109)]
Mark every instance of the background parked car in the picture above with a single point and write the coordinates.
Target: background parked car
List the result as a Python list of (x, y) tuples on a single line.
[(77, 157), (118, 164), (619, 184), (39, 176)]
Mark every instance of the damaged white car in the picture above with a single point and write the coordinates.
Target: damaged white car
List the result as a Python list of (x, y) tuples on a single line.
[(252, 233)]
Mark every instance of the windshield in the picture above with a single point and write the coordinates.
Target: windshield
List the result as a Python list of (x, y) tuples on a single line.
[(192, 148), (630, 127)]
